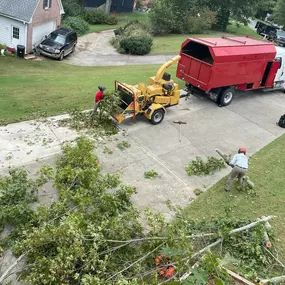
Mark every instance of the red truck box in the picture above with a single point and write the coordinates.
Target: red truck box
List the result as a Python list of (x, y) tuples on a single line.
[(213, 64)]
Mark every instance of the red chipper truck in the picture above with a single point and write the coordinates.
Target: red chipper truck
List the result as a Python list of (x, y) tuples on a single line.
[(219, 66)]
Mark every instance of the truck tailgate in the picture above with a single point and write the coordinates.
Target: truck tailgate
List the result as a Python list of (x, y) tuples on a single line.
[(195, 71)]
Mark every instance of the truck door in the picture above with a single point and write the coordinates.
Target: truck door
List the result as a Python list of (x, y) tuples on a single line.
[(280, 76)]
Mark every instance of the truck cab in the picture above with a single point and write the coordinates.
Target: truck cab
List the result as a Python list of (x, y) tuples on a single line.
[(280, 75)]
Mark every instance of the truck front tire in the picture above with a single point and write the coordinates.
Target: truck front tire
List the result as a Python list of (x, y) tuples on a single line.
[(226, 96), (157, 117)]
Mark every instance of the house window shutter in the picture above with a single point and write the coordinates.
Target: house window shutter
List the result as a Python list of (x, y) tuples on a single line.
[(50, 3)]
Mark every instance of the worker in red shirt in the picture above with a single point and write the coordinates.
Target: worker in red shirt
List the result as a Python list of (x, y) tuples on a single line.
[(97, 99)]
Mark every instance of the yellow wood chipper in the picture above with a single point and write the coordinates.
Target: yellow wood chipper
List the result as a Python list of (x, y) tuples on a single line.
[(150, 100)]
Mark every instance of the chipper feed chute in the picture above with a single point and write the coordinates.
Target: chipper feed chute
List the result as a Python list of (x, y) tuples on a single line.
[(126, 109)]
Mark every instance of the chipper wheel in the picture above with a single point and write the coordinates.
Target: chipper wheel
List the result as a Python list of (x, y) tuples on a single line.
[(157, 117)]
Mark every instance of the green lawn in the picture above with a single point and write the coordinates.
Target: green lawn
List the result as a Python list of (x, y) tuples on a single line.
[(28, 88), (242, 30), (172, 43), (123, 18), (267, 171)]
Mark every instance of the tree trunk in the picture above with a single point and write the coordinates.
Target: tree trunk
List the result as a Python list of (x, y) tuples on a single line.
[(223, 18), (108, 6)]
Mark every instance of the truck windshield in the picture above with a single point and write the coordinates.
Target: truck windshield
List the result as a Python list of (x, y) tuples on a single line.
[(281, 34), (59, 39)]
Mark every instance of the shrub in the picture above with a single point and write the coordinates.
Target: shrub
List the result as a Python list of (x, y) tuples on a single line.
[(133, 38), (3, 47), (137, 45), (112, 20), (99, 16), (79, 25), (95, 16), (73, 8), (199, 24)]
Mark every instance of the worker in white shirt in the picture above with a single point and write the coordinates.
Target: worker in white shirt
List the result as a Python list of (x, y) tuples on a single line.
[(239, 163)]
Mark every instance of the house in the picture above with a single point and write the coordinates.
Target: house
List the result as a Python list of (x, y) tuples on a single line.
[(116, 6), (26, 22)]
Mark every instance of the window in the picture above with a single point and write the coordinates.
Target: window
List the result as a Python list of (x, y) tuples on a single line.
[(47, 4), (16, 33), (279, 59)]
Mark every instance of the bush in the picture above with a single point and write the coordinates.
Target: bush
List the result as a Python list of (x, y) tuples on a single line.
[(133, 38), (136, 45), (79, 25), (3, 47), (99, 16), (199, 24), (112, 20), (73, 8)]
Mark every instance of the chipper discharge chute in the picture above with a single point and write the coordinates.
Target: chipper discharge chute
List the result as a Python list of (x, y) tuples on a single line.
[(150, 100)]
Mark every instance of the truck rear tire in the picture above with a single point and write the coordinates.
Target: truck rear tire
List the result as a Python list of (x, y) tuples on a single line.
[(157, 117), (226, 96)]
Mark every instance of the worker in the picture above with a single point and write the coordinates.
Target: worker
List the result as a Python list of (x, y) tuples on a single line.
[(239, 163), (97, 99)]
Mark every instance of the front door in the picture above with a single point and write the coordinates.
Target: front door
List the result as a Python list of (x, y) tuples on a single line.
[(15, 36)]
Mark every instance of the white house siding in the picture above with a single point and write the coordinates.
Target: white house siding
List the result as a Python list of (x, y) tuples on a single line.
[(6, 32)]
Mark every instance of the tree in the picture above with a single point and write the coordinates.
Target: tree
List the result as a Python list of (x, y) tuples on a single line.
[(279, 13), (108, 6), (265, 6)]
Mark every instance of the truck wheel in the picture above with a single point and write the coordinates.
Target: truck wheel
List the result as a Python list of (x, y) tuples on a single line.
[(61, 56), (226, 96), (157, 117)]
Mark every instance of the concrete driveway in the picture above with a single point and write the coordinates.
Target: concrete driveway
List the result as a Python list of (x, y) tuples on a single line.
[(94, 49), (249, 121)]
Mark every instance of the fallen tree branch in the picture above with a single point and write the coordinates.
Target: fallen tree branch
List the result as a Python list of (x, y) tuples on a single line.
[(132, 264), (276, 259), (157, 238), (272, 280), (6, 273), (238, 277), (251, 225)]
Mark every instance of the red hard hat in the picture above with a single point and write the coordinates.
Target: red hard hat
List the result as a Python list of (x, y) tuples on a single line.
[(242, 149)]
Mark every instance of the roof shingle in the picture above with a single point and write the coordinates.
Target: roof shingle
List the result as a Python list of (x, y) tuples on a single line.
[(19, 9)]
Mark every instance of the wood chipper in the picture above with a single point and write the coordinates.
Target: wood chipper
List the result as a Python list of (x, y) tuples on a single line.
[(150, 100)]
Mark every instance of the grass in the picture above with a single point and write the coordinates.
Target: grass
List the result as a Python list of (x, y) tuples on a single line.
[(242, 30), (123, 18), (267, 171), (172, 43), (29, 89)]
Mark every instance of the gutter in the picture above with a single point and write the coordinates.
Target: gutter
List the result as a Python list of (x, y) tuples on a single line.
[(13, 18)]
